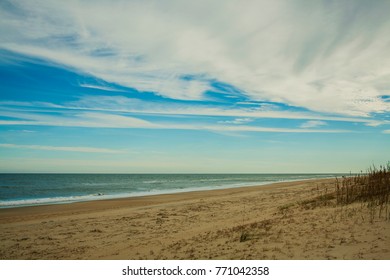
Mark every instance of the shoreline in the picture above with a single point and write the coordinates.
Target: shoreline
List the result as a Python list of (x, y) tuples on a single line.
[(274, 221), (139, 201), (20, 203)]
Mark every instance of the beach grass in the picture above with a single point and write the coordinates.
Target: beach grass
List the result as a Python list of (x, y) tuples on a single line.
[(370, 189)]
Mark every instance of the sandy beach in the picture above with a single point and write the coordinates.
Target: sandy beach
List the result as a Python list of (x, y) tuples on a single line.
[(277, 221)]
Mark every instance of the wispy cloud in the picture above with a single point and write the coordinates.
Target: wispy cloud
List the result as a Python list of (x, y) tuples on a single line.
[(63, 149), (81, 119), (104, 88), (237, 121), (23, 131), (272, 129), (376, 123), (124, 112), (271, 51), (311, 124), (122, 104), (105, 120)]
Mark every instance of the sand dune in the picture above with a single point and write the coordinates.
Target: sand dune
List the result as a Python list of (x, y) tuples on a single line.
[(278, 221)]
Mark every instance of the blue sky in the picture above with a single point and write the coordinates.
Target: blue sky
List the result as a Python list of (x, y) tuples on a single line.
[(194, 86)]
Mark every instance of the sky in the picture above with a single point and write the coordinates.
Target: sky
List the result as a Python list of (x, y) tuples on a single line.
[(194, 86)]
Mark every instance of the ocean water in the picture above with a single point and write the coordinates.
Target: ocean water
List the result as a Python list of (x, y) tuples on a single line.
[(18, 190)]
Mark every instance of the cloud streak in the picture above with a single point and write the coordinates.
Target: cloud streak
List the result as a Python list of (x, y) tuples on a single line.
[(122, 104), (105, 120), (62, 149), (327, 57), (311, 124), (82, 119)]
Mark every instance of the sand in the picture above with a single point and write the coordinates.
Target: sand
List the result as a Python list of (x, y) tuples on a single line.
[(278, 221)]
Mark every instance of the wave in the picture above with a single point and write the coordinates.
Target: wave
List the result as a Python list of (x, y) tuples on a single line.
[(98, 196), (51, 200)]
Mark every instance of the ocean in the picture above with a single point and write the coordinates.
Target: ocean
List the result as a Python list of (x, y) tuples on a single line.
[(17, 190)]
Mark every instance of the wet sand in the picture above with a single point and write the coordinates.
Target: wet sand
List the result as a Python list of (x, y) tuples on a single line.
[(277, 221)]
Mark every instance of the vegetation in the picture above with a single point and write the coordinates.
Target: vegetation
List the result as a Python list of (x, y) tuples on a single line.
[(364, 196), (371, 189)]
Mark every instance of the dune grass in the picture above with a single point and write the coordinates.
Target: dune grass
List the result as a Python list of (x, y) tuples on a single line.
[(371, 189)]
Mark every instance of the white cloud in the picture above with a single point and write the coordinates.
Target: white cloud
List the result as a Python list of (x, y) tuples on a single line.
[(376, 123), (59, 148), (387, 131), (122, 104), (78, 119), (105, 88), (311, 124), (272, 129), (319, 56), (104, 120), (117, 111), (22, 131), (237, 121)]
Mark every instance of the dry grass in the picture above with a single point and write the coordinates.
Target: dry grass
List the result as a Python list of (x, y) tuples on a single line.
[(371, 189)]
